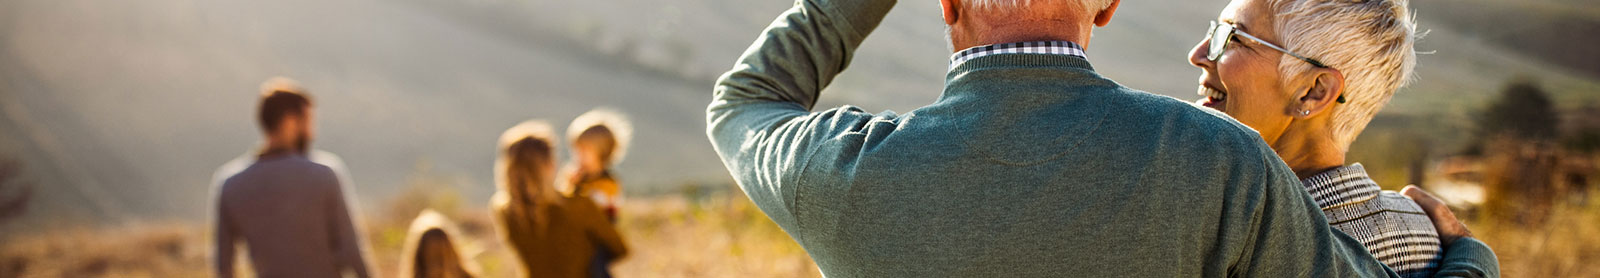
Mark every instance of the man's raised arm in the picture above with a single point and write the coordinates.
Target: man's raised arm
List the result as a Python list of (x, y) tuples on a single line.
[(759, 119)]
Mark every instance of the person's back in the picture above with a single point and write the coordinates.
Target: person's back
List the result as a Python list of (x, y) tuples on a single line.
[(1394, 228), (574, 230), (290, 213), (1029, 165), (1062, 172), (552, 235)]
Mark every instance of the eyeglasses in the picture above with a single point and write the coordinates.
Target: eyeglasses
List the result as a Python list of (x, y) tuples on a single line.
[(1221, 33)]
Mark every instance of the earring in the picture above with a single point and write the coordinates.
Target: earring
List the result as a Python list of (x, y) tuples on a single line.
[(1305, 112)]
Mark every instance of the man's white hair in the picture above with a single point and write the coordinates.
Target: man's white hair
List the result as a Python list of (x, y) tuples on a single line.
[(1092, 5), (1369, 41)]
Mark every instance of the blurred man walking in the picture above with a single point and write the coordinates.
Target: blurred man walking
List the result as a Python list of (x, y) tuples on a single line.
[(289, 211)]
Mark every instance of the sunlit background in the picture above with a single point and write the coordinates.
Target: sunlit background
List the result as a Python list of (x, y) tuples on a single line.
[(114, 114)]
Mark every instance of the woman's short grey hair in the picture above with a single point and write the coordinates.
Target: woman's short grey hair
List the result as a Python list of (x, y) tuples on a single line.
[(1093, 5), (1369, 41)]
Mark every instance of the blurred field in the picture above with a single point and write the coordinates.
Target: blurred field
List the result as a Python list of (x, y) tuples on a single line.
[(686, 235), (719, 234), (116, 112), (1563, 246)]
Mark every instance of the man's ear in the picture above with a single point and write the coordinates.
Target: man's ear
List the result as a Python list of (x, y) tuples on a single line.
[(1327, 86), (950, 14), (1104, 17), (295, 123), (287, 126)]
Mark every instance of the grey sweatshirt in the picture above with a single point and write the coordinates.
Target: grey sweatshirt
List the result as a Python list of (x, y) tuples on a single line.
[(292, 215)]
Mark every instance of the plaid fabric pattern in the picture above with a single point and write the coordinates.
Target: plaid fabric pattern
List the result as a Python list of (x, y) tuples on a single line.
[(1392, 227), (1034, 47)]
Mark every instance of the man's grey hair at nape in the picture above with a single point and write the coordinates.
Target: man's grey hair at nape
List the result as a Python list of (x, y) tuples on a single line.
[(1002, 4)]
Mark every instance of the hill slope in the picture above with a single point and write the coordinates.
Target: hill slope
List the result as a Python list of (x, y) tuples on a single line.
[(121, 110)]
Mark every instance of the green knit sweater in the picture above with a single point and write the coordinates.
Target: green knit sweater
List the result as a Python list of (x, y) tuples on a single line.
[(1028, 165)]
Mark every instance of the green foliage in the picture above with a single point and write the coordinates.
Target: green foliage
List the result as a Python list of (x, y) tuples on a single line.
[(1523, 111), (1584, 141), (1583, 130)]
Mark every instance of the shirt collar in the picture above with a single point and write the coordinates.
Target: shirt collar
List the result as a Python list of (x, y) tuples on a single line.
[(1033, 47), (1340, 186)]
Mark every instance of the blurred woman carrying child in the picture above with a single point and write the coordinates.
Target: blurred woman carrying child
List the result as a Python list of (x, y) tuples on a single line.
[(552, 235)]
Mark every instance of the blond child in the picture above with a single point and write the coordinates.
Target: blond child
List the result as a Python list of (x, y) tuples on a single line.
[(599, 140)]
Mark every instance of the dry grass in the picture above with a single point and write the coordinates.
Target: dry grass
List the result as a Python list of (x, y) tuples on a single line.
[(718, 235), (723, 235), (1564, 245), (155, 250)]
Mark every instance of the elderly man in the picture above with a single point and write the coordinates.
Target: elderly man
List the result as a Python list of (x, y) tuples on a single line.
[(1030, 164)]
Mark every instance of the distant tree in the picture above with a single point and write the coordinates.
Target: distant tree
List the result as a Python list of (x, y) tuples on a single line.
[(14, 192), (1584, 141), (1518, 138), (1523, 111), (1583, 132)]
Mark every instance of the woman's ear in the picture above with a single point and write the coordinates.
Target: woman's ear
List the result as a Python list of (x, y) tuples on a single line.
[(1324, 91), (950, 14)]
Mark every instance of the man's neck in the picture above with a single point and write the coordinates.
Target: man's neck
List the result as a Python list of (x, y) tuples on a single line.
[(1025, 31), (272, 149)]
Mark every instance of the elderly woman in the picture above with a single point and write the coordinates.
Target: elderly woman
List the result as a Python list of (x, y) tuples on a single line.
[(552, 235), (1309, 75)]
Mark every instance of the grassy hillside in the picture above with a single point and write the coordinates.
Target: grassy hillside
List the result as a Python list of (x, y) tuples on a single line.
[(122, 110), (712, 235), (1561, 33)]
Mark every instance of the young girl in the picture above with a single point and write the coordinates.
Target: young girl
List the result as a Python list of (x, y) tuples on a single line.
[(430, 252)]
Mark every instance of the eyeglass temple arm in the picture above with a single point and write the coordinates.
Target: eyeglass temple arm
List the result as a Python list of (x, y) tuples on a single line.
[(1313, 62)]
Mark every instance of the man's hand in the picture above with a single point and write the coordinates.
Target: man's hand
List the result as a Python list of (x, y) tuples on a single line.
[(1450, 228)]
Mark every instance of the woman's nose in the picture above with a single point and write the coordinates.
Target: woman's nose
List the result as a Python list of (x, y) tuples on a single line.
[(1197, 56)]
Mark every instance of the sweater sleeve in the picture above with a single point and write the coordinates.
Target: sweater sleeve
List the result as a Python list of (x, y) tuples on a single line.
[(759, 119), (1290, 237), (224, 241), (346, 243), (601, 230), (1468, 257)]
